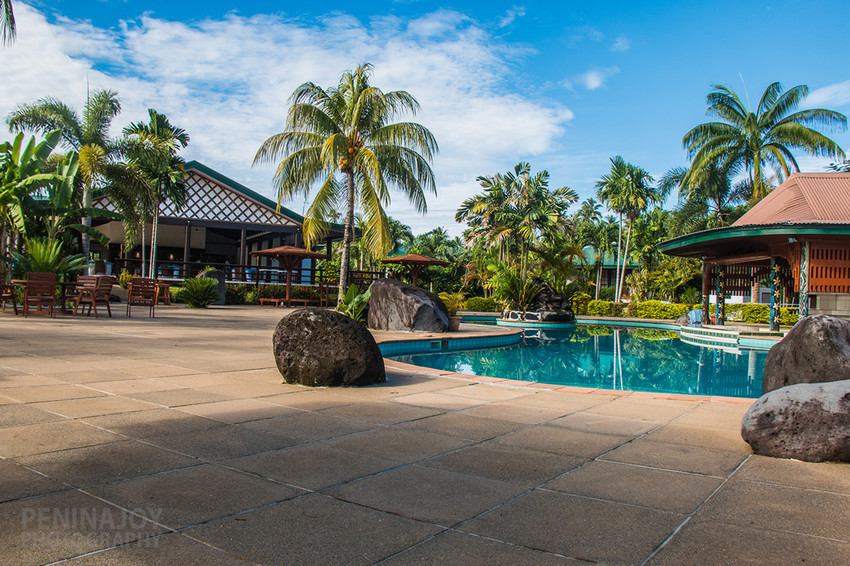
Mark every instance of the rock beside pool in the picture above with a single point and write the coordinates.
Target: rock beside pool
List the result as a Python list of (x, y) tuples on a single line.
[(565, 316), (323, 348), (394, 305), (807, 421), (218, 276), (816, 350)]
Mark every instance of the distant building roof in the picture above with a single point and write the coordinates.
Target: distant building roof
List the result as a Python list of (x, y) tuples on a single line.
[(805, 198)]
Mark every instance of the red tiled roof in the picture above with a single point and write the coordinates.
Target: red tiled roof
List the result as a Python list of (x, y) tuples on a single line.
[(804, 198)]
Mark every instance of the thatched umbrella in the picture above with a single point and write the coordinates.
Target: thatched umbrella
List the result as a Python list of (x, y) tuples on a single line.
[(289, 258), (415, 263)]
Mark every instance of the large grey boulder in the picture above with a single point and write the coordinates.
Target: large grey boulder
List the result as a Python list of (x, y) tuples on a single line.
[(218, 276), (807, 421), (320, 347), (394, 305), (816, 350)]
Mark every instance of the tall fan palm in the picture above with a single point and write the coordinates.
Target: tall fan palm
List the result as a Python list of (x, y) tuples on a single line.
[(7, 29), (347, 131), (153, 147), (89, 136), (750, 140)]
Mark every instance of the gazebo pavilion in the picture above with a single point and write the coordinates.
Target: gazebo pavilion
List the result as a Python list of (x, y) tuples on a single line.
[(797, 238)]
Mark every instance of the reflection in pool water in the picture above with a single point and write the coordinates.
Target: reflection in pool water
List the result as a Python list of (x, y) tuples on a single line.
[(636, 359)]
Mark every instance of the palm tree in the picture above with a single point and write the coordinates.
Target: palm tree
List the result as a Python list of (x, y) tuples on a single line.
[(88, 136), (347, 131), (609, 189), (706, 199), (749, 141), (8, 29), (153, 147)]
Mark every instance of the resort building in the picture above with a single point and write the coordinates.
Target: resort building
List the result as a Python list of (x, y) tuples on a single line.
[(795, 242), (221, 223)]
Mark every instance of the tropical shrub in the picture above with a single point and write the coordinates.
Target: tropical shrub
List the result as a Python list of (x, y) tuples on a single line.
[(606, 293), (452, 301), (354, 304), (580, 302), (45, 255), (691, 295), (124, 279), (199, 293), (756, 313), (599, 308), (657, 309), (235, 294), (482, 304)]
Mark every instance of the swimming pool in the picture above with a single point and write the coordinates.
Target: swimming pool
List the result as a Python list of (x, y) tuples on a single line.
[(606, 357)]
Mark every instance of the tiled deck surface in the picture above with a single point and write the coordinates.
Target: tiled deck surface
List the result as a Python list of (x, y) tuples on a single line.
[(173, 441)]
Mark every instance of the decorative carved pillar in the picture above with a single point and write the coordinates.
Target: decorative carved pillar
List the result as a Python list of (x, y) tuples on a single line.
[(775, 291), (706, 292), (720, 315), (804, 279), (187, 247)]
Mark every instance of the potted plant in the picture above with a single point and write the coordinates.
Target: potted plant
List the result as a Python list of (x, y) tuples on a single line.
[(453, 302)]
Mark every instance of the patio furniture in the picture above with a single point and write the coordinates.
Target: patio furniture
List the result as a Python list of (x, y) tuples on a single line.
[(328, 293), (163, 293), (289, 257), (93, 290), (415, 263), (270, 301), (142, 292), (7, 295), (40, 292)]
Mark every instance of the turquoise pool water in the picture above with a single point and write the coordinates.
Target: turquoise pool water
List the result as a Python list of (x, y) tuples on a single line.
[(635, 359)]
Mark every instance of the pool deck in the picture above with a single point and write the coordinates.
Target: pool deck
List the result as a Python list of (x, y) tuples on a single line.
[(173, 441)]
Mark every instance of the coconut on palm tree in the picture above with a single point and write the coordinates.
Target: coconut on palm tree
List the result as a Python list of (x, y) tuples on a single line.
[(344, 140), (153, 147), (750, 141)]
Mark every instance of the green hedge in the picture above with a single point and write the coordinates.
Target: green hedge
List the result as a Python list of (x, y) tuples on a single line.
[(757, 314), (645, 309), (482, 304), (580, 302)]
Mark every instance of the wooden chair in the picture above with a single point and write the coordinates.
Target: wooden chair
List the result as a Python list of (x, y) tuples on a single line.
[(142, 292), (40, 292), (7, 295), (93, 290)]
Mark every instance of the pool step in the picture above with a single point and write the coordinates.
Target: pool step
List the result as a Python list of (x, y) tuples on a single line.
[(712, 337)]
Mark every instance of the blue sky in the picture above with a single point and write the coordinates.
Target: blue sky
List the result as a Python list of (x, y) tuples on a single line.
[(564, 85)]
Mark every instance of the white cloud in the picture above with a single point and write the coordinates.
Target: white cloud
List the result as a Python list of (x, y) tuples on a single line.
[(227, 81), (621, 44), (585, 32), (510, 16), (595, 78), (837, 94)]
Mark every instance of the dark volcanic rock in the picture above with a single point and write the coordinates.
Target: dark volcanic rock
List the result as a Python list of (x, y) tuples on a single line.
[(558, 316), (394, 305), (218, 276), (320, 347), (807, 421), (816, 350)]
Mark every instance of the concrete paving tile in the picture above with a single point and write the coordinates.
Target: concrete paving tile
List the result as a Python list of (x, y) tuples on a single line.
[(91, 375), (312, 466), (45, 529), (244, 388), (605, 424), (560, 440), (380, 412), (566, 402), (442, 401), (50, 393), (578, 527), (165, 550), (21, 379), (129, 386), (463, 425), (194, 495), (19, 414), (47, 437), (308, 399), (647, 409), (626, 483), (314, 529), (711, 543), (451, 497), (529, 468), (238, 410), (198, 380), (94, 465), (305, 426), (790, 509), (178, 397), (159, 370), (716, 415), (491, 393), (222, 442), (680, 457), (699, 436), (16, 482), (828, 476), (96, 406), (156, 422), (518, 413), (394, 443), (452, 547)]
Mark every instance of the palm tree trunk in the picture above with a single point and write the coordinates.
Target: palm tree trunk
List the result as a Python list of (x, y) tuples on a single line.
[(86, 239), (144, 258), (599, 275), (619, 255), (625, 256), (154, 226), (346, 237)]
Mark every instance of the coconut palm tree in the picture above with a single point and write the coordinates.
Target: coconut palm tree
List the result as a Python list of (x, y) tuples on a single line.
[(752, 140), (343, 139), (7, 27), (88, 136), (706, 198), (153, 147)]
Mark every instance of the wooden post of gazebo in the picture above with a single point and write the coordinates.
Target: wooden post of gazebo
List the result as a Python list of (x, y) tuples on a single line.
[(720, 313), (804, 279), (706, 291), (774, 295)]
